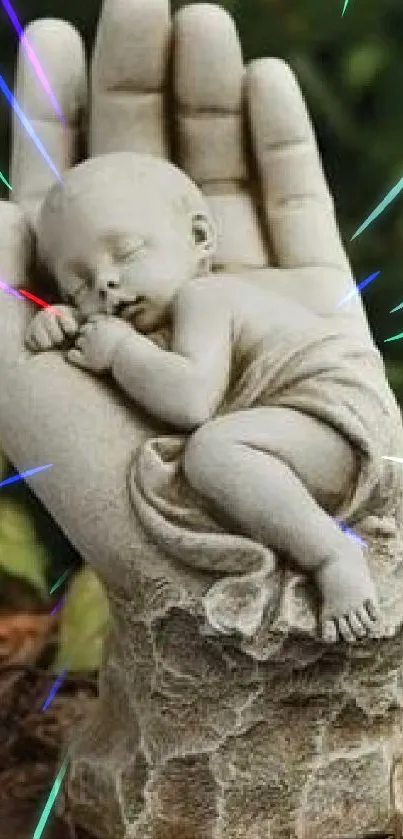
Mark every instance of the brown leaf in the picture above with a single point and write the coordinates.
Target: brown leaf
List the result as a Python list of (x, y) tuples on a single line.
[(23, 636)]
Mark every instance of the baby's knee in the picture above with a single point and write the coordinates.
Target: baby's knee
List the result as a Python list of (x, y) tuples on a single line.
[(202, 453)]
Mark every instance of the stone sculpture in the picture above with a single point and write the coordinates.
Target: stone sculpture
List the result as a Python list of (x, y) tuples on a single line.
[(222, 712), (131, 241)]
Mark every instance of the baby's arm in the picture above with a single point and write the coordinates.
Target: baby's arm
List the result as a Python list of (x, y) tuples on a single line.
[(185, 385)]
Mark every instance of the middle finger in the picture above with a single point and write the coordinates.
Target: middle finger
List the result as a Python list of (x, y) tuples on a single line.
[(128, 78), (208, 83)]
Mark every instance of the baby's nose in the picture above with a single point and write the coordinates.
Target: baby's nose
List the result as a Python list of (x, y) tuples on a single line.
[(106, 280)]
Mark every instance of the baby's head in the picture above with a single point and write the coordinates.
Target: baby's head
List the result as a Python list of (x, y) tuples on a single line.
[(123, 233)]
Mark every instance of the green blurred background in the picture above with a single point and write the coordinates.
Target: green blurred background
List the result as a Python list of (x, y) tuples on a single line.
[(351, 72)]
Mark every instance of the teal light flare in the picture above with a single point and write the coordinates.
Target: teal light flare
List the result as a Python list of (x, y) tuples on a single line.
[(394, 338), (392, 194), (5, 181), (51, 800)]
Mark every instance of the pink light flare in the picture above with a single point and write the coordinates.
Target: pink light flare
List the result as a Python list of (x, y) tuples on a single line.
[(22, 294), (32, 57)]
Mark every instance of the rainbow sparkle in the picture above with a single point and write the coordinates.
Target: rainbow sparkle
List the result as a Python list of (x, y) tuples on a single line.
[(10, 290), (60, 581), (51, 800), (58, 607), (350, 532), (391, 195), (26, 474), (22, 294), (5, 181), (394, 338), (27, 125), (32, 57), (354, 291), (38, 300), (53, 691)]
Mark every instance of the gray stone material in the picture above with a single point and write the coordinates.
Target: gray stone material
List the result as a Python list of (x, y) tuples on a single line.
[(201, 733)]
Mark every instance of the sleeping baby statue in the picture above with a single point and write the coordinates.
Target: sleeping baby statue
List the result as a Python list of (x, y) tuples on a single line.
[(279, 435)]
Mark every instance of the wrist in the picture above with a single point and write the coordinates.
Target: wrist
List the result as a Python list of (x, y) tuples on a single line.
[(120, 351)]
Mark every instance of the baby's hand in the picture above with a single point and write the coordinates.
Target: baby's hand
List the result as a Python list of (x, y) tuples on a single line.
[(97, 341), (50, 328)]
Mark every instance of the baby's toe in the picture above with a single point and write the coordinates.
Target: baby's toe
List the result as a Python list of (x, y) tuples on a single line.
[(372, 618), (373, 610), (329, 632), (357, 626), (218, 622), (345, 630), (366, 619)]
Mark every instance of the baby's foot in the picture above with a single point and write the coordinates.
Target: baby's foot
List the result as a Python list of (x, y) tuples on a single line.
[(350, 605), (238, 604)]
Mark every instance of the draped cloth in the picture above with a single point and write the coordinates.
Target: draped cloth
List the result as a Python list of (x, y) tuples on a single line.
[(326, 375)]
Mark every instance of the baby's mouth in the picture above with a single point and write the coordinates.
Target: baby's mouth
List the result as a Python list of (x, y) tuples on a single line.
[(127, 309)]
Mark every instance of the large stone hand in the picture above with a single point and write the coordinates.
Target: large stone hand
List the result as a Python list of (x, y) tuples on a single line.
[(70, 416), (51, 412), (54, 413), (212, 91)]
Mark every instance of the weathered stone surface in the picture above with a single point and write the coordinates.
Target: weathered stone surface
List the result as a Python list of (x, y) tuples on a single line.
[(236, 749)]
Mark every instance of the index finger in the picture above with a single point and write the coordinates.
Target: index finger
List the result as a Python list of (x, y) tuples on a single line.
[(69, 323), (298, 206)]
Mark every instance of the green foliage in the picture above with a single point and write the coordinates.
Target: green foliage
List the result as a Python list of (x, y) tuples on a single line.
[(361, 66), (28, 562), (21, 555), (25, 555), (83, 624)]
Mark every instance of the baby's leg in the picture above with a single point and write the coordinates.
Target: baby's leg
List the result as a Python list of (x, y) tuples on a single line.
[(274, 472)]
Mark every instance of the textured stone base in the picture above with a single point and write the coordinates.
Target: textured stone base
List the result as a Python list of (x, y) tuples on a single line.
[(193, 739), (200, 736)]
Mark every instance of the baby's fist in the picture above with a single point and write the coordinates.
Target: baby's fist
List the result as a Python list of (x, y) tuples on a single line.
[(51, 327), (97, 342)]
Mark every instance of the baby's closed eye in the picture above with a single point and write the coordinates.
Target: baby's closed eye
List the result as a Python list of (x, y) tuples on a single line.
[(127, 250)]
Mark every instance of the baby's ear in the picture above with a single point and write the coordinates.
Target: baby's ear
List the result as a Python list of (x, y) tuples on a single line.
[(204, 234)]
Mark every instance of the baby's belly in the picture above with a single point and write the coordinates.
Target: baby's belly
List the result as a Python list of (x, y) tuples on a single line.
[(256, 341), (270, 327), (282, 363)]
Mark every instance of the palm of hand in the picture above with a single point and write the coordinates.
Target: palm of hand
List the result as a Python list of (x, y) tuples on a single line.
[(209, 80)]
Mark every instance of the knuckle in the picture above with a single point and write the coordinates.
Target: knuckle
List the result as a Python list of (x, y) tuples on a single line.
[(43, 317)]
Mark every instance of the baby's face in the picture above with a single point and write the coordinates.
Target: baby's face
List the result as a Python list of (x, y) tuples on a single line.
[(126, 256)]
